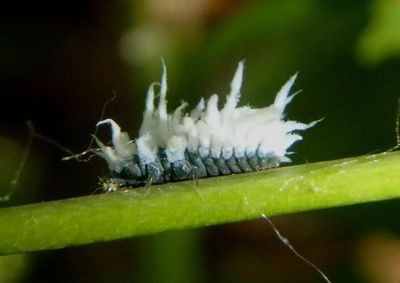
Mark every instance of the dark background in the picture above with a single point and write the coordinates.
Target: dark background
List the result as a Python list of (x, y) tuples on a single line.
[(61, 61)]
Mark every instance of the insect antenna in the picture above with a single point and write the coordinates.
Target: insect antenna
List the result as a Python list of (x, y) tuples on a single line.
[(90, 149), (103, 111)]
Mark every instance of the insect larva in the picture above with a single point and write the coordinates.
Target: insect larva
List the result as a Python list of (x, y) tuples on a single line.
[(205, 142)]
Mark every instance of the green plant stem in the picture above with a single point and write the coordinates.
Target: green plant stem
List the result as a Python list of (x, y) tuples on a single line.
[(109, 216)]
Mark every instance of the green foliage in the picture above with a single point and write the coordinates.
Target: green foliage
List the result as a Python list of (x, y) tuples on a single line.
[(225, 199), (381, 37)]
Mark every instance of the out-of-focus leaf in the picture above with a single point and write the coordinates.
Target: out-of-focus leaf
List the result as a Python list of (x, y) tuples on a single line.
[(381, 37), (12, 268)]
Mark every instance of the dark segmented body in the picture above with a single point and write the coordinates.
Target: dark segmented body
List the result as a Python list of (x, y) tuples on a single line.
[(136, 173)]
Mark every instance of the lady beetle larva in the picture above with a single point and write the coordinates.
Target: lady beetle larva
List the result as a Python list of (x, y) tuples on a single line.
[(205, 142)]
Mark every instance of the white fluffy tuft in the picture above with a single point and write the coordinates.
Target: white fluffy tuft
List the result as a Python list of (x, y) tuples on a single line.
[(207, 129), (123, 148)]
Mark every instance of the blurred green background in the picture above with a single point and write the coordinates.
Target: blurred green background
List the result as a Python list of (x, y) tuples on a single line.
[(60, 61)]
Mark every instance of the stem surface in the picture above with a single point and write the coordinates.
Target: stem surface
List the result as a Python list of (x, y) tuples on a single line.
[(110, 216)]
